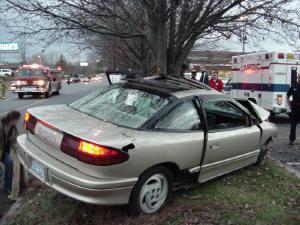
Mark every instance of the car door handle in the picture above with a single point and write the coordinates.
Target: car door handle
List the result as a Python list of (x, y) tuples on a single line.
[(214, 147)]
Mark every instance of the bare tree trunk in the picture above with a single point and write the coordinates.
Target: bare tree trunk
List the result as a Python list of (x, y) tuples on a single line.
[(162, 48), (159, 35)]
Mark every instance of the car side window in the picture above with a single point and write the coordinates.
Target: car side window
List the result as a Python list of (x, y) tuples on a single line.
[(222, 114), (182, 117)]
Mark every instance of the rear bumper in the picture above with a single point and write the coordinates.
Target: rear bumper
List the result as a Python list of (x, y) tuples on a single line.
[(72, 182)]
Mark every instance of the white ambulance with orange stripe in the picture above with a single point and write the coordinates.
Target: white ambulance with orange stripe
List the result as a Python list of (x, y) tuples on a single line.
[(265, 78)]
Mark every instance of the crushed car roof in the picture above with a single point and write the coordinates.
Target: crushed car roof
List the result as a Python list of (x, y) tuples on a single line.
[(172, 85)]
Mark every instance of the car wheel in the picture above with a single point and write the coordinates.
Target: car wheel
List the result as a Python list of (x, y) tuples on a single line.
[(262, 156), (151, 192), (20, 95), (48, 93), (56, 92)]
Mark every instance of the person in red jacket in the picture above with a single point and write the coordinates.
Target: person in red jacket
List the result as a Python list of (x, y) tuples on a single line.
[(216, 83)]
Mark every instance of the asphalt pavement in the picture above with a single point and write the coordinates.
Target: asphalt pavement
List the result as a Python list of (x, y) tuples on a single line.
[(68, 94)]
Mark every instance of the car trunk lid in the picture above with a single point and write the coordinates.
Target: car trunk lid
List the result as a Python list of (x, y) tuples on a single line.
[(55, 122)]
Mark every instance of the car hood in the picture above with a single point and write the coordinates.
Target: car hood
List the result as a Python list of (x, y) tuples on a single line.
[(81, 125)]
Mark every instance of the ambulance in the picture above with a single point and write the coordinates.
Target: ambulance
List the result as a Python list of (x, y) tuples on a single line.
[(265, 78)]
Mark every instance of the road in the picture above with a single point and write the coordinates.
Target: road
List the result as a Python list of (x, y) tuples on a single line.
[(279, 148), (68, 94)]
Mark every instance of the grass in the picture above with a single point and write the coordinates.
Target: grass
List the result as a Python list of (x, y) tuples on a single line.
[(255, 195)]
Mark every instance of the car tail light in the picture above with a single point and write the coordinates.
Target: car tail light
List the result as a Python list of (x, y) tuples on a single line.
[(29, 122), (92, 153), (279, 99)]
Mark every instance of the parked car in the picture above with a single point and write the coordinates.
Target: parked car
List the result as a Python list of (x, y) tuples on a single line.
[(6, 72), (75, 78), (84, 79), (135, 142)]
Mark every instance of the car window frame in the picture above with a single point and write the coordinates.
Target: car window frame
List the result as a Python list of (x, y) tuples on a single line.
[(150, 125), (231, 102)]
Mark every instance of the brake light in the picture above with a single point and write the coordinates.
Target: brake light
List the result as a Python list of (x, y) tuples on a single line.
[(29, 122), (92, 153), (26, 117), (94, 150)]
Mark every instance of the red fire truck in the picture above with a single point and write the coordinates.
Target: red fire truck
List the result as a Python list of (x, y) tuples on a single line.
[(37, 80)]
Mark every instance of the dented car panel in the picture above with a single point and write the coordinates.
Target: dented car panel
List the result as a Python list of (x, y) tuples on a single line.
[(105, 142)]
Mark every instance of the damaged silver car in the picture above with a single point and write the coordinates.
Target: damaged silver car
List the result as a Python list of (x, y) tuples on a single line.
[(137, 141)]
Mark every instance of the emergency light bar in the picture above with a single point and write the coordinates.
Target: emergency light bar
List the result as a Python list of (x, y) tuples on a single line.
[(35, 66)]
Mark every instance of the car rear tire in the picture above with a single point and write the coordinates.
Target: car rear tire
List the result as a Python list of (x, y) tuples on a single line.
[(262, 156), (151, 192), (56, 92), (20, 95)]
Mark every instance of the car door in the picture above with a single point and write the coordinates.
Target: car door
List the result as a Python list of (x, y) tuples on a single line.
[(178, 135), (232, 140)]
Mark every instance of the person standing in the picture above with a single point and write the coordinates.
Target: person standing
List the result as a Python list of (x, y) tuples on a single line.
[(194, 75), (2, 88), (216, 83), (294, 92), (8, 138), (204, 78)]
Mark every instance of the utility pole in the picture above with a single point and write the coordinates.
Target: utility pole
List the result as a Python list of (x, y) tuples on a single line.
[(243, 38)]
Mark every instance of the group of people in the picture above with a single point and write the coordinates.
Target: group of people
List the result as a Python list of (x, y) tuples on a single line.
[(214, 82)]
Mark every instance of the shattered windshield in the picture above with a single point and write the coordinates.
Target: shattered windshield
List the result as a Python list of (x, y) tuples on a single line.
[(121, 106)]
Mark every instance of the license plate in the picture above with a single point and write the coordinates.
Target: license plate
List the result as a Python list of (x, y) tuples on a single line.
[(38, 170), (48, 135)]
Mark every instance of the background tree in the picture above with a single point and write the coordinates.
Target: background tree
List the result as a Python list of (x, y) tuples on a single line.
[(64, 64), (156, 33)]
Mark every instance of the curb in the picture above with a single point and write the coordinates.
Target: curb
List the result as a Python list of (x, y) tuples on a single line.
[(288, 168)]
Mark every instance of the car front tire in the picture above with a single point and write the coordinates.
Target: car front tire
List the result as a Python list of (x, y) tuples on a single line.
[(151, 192), (262, 155), (20, 95)]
